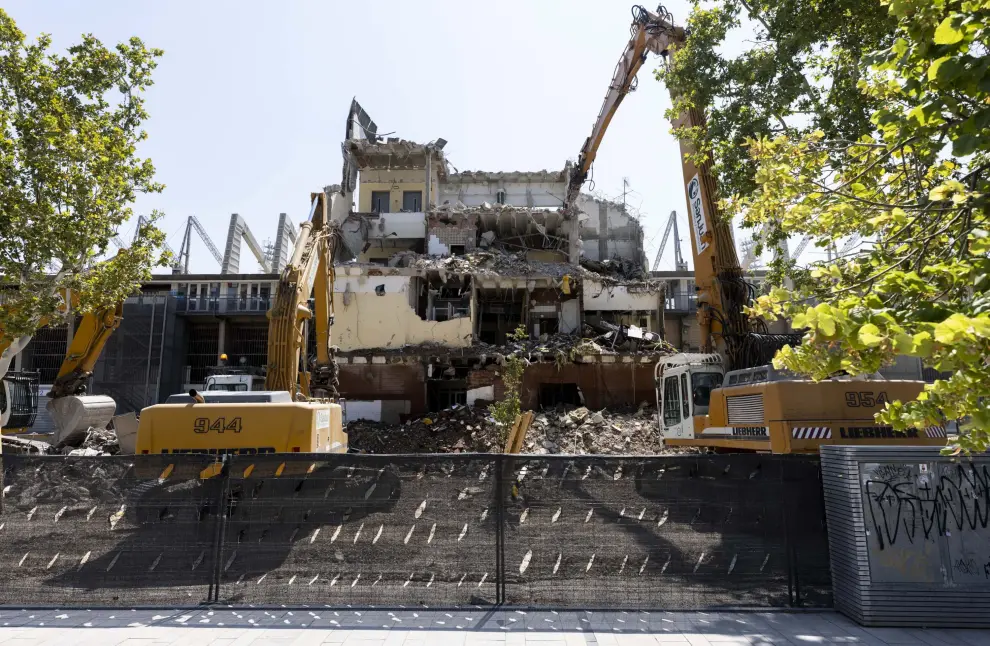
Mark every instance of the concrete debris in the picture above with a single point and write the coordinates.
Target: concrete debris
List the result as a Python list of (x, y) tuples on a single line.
[(14, 445), (556, 348), (462, 429), (616, 267), (467, 429), (95, 441), (489, 264), (84, 452), (494, 263), (584, 432)]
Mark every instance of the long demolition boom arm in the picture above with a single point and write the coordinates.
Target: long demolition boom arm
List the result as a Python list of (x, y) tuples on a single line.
[(718, 278), (309, 271)]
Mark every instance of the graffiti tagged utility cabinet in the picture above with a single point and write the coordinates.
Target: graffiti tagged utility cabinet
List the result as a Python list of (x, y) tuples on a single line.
[(908, 535)]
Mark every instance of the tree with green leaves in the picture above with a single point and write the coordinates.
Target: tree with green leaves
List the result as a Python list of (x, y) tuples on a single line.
[(795, 71), (913, 181), (69, 170)]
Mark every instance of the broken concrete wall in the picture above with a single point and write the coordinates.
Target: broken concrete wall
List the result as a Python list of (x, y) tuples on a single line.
[(540, 189), (609, 231), (397, 225), (570, 316), (379, 251), (398, 387), (622, 298), (380, 312), (484, 378), (451, 230), (550, 312)]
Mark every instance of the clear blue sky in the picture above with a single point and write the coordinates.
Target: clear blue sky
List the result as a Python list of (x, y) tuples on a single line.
[(250, 98)]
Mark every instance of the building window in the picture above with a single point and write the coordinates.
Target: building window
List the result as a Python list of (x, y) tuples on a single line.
[(500, 196), (379, 201), (412, 201), (456, 250), (671, 402)]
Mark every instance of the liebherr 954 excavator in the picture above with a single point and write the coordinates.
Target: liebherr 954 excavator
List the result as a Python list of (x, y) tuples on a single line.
[(728, 397)]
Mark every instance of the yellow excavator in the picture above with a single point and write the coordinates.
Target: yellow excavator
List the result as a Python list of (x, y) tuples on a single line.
[(296, 412), (71, 408), (729, 397)]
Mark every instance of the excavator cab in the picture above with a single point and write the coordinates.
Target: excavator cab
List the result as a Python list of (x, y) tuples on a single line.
[(684, 384), (18, 401)]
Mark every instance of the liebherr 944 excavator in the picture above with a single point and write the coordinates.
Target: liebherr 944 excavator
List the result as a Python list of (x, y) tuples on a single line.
[(728, 397), (296, 412)]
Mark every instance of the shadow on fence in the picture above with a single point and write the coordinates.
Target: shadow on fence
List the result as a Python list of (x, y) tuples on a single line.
[(685, 532)]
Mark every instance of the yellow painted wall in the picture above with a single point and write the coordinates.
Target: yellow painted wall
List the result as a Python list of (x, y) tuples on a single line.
[(388, 321), (395, 182)]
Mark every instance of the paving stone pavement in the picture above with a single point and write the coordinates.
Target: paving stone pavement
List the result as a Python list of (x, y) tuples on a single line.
[(222, 626)]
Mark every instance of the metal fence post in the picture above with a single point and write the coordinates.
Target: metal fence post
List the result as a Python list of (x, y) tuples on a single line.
[(220, 535), (499, 529), (788, 543)]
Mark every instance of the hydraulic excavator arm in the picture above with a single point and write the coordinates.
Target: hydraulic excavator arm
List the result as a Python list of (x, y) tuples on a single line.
[(88, 342), (722, 292), (68, 404), (310, 270)]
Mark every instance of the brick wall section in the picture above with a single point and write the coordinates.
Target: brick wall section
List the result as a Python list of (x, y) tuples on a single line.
[(450, 234), (454, 230), (371, 382), (488, 376), (604, 385)]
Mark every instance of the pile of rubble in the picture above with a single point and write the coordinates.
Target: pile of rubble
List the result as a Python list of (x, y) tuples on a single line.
[(466, 429), (95, 441), (558, 348), (461, 429), (488, 264)]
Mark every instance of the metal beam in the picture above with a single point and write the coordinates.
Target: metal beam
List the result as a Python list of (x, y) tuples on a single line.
[(230, 263)]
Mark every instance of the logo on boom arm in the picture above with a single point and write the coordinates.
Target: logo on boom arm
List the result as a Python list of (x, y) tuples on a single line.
[(697, 213)]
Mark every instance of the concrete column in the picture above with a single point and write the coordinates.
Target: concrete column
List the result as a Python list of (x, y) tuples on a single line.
[(475, 323), (602, 232), (429, 171), (222, 339), (574, 238)]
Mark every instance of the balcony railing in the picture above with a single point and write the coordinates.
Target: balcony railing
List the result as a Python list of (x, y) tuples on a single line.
[(228, 305)]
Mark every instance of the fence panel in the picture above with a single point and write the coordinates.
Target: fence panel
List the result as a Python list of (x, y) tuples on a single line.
[(107, 531), (806, 529), (360, 530), (678, 532), (452, 530)]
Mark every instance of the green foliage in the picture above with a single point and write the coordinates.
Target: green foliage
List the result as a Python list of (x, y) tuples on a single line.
[(69, 127), (914, 182), (506, 411), (798, 73)]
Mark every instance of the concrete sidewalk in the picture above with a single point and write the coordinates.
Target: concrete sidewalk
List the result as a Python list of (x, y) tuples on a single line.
[(406, 627)]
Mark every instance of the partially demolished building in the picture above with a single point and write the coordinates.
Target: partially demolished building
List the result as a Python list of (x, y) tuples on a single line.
[(436, 271), (439, 270)]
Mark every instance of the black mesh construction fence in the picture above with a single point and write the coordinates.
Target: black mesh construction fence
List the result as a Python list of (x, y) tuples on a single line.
[(434, 530), (376, 530), (107, 531)]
